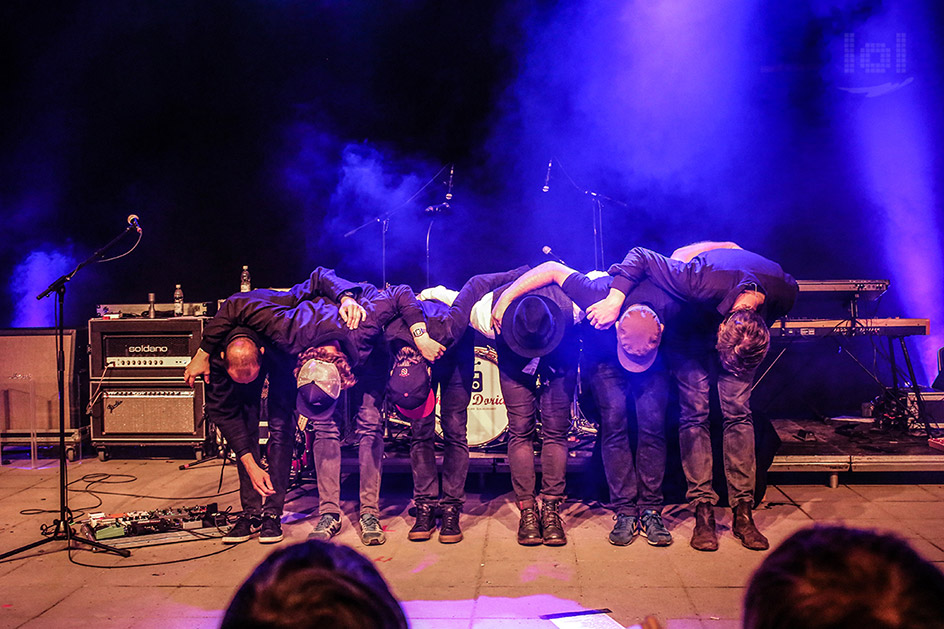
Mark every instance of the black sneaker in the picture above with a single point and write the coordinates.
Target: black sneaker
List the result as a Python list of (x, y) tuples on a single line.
[(271, 531), (244, 528), (449, 532), (425, 523)]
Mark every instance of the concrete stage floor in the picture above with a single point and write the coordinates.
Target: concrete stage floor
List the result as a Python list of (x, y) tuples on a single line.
[(486, 581)]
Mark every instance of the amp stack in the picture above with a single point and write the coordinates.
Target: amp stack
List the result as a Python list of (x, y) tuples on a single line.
[(136, 379)]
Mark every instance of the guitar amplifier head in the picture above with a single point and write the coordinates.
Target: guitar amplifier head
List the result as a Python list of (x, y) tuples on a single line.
[(142, 348)]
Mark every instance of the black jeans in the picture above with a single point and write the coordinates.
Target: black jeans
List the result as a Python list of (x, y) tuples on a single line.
[(632, 488), (280, 405), (523, 400), (452, 374)]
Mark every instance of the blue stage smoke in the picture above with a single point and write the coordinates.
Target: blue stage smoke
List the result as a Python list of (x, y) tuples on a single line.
[(30, 277)]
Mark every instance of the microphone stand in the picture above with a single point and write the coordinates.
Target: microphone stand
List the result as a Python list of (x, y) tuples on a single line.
[(597, 211), (384, 221), (597, 199), (63, 526)]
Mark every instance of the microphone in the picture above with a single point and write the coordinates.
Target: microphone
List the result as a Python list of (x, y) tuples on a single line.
[(547, 251), (133, 222), (437, 209), (452, 169), (547, 177)]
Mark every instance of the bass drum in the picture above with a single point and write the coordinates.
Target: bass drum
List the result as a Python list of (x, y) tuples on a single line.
[(488, 419)]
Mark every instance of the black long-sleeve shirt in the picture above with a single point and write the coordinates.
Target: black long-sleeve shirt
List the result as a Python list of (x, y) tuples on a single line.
[(713, 278), (322, 283), (317, 321), (233, 407)]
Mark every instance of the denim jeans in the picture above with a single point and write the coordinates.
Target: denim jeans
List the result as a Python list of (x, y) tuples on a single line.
[(632, 489), (693, 376), (280, 405), (367, 396), (452, 374), (523, 400)]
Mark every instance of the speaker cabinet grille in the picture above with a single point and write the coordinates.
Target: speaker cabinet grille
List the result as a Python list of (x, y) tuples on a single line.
[(148, 412)]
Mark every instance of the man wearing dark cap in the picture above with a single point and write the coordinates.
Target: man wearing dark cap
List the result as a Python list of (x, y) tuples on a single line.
[(742, 294), (627, 362), (412, 389), (235, 361), (537, 360), (293, 325)]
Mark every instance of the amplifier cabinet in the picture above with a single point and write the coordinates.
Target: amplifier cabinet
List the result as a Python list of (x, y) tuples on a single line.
[(137, 385), (148, 412), (156, 349), (29, 382)]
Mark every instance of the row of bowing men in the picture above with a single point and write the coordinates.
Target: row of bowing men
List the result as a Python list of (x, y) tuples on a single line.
[(694, 320)]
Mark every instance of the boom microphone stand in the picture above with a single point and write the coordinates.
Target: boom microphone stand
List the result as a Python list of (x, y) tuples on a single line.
[(63, 525)]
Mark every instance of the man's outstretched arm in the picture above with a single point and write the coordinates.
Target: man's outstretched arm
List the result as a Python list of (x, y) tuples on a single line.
[(542, 275)]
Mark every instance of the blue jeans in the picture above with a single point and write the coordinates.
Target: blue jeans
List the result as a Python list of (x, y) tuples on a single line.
[(523, 399), (693, 376), (452, 374), (367, 395), (632, 488)]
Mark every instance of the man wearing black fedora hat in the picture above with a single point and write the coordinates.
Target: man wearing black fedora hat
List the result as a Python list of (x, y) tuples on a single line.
[(741, 293), (537, 360), (411, 388), (626, 361)]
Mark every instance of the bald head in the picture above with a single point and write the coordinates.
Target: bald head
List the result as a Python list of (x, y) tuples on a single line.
[(243, 360)]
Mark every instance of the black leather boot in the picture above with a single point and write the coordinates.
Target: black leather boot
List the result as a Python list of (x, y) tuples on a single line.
[(529, 528), (449, 531), (551, 524), (425, 523), (745, 530), (704, 537)]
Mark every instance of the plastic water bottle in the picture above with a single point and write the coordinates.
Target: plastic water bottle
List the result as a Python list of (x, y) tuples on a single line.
[(178, 301), (245, 282)]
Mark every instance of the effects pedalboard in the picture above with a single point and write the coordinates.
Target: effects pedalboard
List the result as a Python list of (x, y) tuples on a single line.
[(158, 526)]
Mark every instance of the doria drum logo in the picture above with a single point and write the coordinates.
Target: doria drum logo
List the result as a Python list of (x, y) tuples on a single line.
[(148, 349), (875, 68)]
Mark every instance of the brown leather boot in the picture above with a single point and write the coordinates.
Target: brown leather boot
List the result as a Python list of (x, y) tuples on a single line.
[(529, 527), (745, 530), (704, 537)]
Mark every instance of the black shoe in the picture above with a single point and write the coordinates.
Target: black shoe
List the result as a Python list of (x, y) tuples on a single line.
[(529, 528), (745, 530), (244, 528), (449, 531), (425, 523), (704, 537), (271, 531), (551, 524)]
